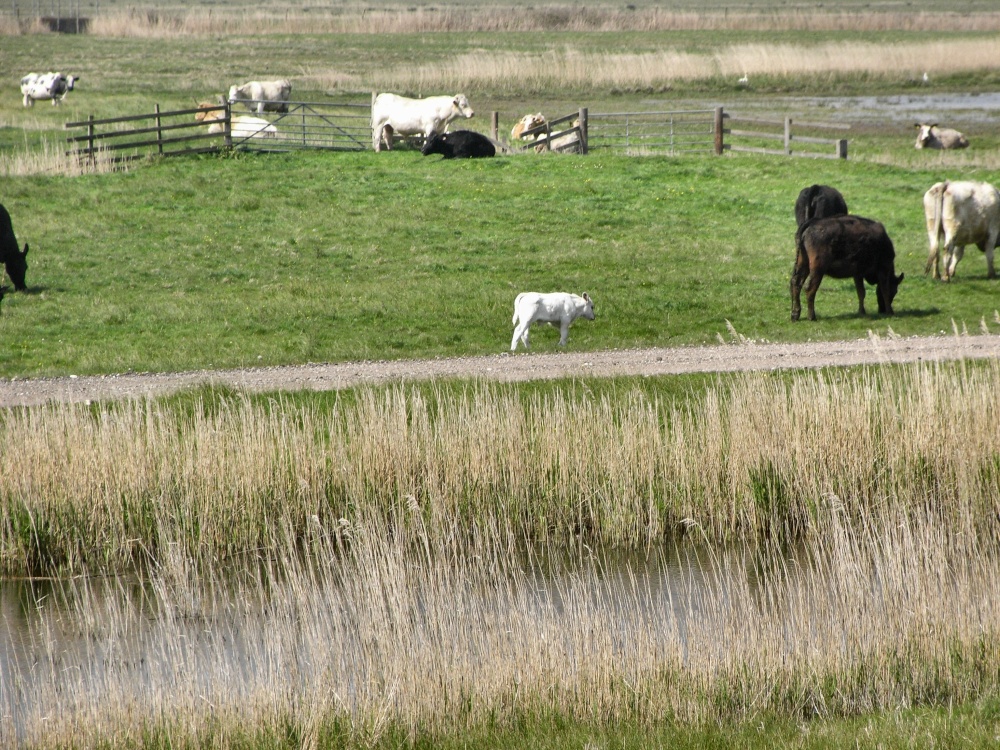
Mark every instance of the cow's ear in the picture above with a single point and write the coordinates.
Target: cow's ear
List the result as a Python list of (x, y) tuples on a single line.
[(25, 250), (899, 280)]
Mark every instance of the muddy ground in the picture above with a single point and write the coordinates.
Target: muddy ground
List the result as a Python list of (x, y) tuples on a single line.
[(739, 356)]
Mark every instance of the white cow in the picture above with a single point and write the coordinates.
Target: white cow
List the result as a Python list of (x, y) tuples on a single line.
[(241, 126), (932, 136), (552, 308), (965, 213), (426, 117), (262, 96), (54, 86)]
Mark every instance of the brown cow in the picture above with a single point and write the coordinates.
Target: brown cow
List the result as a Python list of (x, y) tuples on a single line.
[(844, 247)]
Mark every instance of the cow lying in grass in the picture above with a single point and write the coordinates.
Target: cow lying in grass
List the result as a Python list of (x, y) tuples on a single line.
[(241, 126), (552, 308), (461, 144)]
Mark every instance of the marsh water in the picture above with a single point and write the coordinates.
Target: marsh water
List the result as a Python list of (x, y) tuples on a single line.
[(69, 644)]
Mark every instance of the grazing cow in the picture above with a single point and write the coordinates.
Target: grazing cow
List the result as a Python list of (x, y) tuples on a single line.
[(241, 126), (818, 202), (54, 86), (965, 213), (262, 96), (552, 308), (427, 117), (461, 144), (844, 247), (11, 256), (528, 122), (932, 136)]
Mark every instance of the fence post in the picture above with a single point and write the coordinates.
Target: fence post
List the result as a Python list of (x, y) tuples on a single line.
[(227, 127), (788, 136), (90, 141), (159, 132), (494, 124), (842, 148), (584, 129), (719, 119)]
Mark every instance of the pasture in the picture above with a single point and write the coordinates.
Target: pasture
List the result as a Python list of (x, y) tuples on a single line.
[(456, 563)]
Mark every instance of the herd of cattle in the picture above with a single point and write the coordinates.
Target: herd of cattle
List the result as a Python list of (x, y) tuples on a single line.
[(829, 241)]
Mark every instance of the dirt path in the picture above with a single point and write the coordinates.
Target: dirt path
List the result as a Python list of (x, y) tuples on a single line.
[(507, 367)]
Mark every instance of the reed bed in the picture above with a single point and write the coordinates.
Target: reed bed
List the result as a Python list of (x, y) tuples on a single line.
[(370, 643), (139, 22), (574, 68), (51, 159), (113, 485)]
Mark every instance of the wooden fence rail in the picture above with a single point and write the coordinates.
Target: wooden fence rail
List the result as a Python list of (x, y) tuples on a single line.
[(346, 127)]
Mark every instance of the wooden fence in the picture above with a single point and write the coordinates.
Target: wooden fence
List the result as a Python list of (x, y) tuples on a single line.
[(346, 127), (761, 140), (337, 127), (705, 131)]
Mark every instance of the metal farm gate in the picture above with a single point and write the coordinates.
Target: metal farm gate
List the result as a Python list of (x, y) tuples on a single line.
[(312, 125)]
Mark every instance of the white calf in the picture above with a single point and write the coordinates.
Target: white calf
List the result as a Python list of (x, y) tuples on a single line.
[(427, 117), (552, 308), (964, 213)]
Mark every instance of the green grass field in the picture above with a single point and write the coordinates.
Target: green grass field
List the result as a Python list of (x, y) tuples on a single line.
[(275, 259)]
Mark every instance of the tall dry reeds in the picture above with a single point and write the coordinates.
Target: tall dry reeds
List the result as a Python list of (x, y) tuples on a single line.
[(755, 457), (138, 22), (367, 636)]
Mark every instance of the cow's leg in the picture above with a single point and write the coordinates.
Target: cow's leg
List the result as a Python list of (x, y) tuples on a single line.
[(563, 332), (952, 254), (521, 332), (933, 258), (859, 285), (811, 287), (991, 242), (387, 132), (799, 274)]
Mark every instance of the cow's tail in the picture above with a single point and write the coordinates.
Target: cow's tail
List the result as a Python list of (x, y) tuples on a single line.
[(513, 321), (939, 210)]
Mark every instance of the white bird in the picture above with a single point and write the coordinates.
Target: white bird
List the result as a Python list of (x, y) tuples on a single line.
[(745, 80), (926, 77)]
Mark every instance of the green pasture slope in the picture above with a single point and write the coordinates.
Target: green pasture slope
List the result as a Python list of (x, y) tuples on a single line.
[(277, 259)]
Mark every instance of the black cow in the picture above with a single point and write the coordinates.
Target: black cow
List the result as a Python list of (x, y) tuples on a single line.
[(818, 202), (10, 254), (844, 247), (461, 144)]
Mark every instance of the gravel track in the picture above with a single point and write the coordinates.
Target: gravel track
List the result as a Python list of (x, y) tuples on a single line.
[(740, 356)]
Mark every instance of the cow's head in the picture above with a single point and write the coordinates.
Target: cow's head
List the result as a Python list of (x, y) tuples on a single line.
[(528, 122), (462, 105), (924, 134), (588, 310), (17, 265), (887, 293)]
